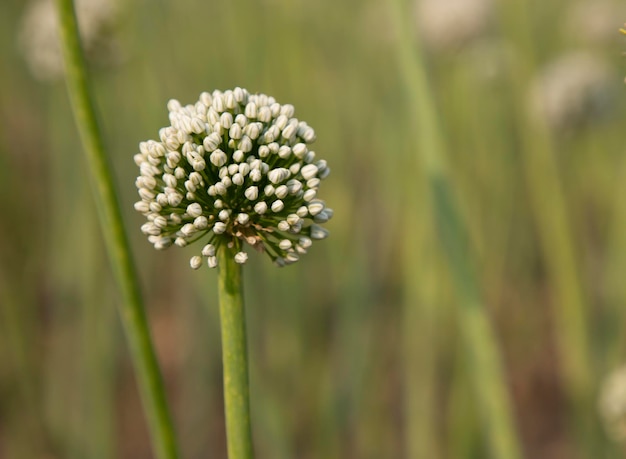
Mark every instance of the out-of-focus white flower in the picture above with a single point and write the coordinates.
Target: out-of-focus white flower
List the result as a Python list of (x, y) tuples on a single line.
[(39, 39), (594, 21), (450, 24), (612, 404), (233, 168), (572, 89)]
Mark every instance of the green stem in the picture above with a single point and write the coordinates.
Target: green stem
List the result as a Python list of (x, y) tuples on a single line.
[(234, 356), (131, 309), (476, 330)]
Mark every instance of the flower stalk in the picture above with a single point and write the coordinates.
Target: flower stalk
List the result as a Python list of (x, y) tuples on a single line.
[(131, 309), (234, 356)]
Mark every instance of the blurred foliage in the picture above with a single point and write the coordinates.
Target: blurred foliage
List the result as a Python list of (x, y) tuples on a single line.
[(355, 350)]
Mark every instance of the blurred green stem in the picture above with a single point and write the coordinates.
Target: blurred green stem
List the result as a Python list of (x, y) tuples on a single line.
[(483, 355), (131, 309), (550, 209), (234, 356)]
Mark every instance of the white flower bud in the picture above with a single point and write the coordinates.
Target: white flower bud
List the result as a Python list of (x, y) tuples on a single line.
[(211, 261), (291, 257), (309, 195), (180, 242), (243, 218), (260, 207), (160, 221), (285, 244), (294, 219), (201, 222), (142, 206), (219, 227), (218, 158), (241, 257), (302, 211), (288, 110), (283, 225), (238, 156), (264, 115), (235, 131), (245, 144), (281, 191), (317, 232), (224, 214), (251, 110), (174, 199), (284, 152), (212, 141), (252, 192), (194, 209), (305, 242), (238, 179), (188, 229), (294, 186), (195, 262), (208, 250), (146, 194), (218, 103), (278, 175), (277, 206), (322, 217), (264, 151), (269, 190), (289, 131), (316, 207), (313, 183), (226, 120), (255, 175), (309, 171)]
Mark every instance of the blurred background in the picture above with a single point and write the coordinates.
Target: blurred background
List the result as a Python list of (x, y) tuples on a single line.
[(355, 351)]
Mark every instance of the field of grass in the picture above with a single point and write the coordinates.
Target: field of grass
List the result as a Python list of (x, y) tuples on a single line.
[(470, 301)]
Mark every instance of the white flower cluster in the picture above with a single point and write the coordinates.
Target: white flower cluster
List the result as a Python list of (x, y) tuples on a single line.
[(39, 34), (612, 404), (232, 168)]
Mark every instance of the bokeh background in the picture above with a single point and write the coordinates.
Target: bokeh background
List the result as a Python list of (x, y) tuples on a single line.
[(355, 351)]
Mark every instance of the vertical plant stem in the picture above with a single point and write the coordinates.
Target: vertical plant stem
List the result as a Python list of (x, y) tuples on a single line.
[(131, 309), (234, 356), (476, 330)]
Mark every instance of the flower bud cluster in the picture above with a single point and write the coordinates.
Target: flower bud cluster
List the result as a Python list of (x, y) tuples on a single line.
[(234, 167)]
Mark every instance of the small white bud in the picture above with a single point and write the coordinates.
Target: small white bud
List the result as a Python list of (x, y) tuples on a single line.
[(294, 186), (251, 110), (291, 257), (317, 232), (245, 144), (233, 169), (264, 115), (224, 214), (288, 110), (309, 171), (302, 211), (188, 229), (142, 206), (282, 191), (218, 158), (313, 183), (308, 195), (264, 151), (194, 209), (208, 250), (269, 190), (255, 175), (195, 262), (241, 120), (212, 141), (277, 206), (284, 152), (201, 222), (235, 131), (243, 218), (226, 120), (289, 131), (238, 156), (305, 242), (241, 257), (238, 179), (316, 207), (260, 207), (252, 192), (211, 261), (278, 175), (180, 242), (285, 244), (283, 225), (322, 217), (219, 227), (299, 150)]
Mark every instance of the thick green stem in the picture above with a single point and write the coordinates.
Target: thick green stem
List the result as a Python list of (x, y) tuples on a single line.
[(234, 356), (131, 309), (477, 333)]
